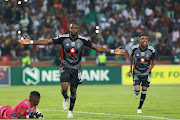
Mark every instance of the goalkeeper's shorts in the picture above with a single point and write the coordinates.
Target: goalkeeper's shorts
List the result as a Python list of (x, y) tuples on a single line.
[(3, 109)]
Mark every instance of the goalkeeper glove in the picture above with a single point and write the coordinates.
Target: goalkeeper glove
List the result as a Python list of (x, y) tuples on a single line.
[(37, 114)]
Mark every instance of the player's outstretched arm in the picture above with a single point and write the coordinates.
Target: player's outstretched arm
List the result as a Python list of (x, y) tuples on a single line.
[(36, 42), (101, 49)]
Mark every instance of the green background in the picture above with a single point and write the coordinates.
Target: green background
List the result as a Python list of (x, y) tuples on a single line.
[(114, 75)]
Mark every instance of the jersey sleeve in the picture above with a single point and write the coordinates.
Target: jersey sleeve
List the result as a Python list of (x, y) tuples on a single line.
[(153, 56), (134, 47), (132, 51), (58, 39), (153, 52), (87, 42), (22, 108)]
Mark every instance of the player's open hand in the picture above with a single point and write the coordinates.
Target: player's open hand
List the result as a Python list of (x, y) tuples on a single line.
[(130, 73), (24, 41), (119, 51)]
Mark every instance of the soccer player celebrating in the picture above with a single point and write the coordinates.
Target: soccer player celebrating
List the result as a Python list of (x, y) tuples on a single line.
[(24, 109), (144, 60), (72, 46)]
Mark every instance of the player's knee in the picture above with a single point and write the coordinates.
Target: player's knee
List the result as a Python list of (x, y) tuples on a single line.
[(64, 86), (64, 90), (73, 92)]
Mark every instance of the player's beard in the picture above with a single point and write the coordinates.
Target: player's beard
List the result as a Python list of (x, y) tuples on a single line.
[(73, 34)]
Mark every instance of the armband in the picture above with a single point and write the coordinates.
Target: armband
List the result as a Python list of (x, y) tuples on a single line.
[(31, 41), (112, 51)]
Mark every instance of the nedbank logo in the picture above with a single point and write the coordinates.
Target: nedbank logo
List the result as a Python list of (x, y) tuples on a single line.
[(95, 75), (31, 76)]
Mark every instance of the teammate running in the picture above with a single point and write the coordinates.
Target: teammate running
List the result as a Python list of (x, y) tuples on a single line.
[(144, 61)]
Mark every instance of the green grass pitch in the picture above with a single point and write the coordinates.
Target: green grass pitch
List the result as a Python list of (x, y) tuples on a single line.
[(101, 102)]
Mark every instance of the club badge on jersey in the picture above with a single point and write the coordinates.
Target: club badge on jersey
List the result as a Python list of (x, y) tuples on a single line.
[(147, 55), (78, 45)]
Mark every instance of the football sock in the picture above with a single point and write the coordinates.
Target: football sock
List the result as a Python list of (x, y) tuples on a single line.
[(136, 92), (143, 96), (72, 102), (64, 94)]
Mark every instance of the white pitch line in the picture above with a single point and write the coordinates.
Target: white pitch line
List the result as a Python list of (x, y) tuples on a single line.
[(162, 118)]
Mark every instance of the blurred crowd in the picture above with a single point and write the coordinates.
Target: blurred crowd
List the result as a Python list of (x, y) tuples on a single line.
[(110, 23)]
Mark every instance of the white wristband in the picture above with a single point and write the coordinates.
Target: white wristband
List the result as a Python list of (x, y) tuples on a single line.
[(112, 51), (31, 41)]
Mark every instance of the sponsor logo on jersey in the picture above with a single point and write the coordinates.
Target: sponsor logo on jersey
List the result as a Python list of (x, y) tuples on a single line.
[(72, 50), (137, 55), (142, 60)]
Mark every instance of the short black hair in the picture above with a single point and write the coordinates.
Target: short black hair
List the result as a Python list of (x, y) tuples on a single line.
[(35, 94), (75, 23), (143, 34)]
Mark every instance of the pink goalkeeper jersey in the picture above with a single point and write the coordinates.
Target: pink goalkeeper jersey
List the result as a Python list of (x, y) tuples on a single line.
[(22, 107)]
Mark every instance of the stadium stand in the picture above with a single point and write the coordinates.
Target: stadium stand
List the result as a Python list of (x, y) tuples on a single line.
[(119, 21)]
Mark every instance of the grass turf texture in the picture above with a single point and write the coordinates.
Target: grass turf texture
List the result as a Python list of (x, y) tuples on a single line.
[(101, 102)]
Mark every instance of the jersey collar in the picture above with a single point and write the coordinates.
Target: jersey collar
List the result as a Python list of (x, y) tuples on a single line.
[(143, 50), (74, 39)]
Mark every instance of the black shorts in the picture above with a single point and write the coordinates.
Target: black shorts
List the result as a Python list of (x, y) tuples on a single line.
[(70, 75), (144, 80)]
